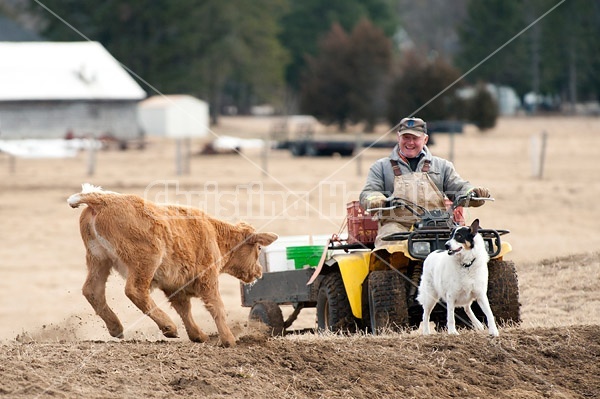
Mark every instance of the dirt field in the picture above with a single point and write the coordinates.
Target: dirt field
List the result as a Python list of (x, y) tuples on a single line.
[(51, 343)]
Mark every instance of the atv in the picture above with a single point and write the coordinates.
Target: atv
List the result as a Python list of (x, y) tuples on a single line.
[(356, 288)]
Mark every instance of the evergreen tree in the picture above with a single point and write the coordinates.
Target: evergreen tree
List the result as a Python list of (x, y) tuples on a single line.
[(328, 79), (308, 21), (371, 59), (569, 53), (482, 108), (423, 89), (489, 25), (346, 81)]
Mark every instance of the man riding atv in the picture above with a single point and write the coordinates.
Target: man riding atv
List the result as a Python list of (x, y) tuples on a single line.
[(356, 288), (412, 173)]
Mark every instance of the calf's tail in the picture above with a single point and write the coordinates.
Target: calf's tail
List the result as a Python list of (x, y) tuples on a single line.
[(90, 195)]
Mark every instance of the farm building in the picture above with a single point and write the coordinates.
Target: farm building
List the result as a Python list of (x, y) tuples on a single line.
[(50, 89), (175, 116)]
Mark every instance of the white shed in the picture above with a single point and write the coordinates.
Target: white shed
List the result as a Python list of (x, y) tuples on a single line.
[(175, 116), (50, 88)]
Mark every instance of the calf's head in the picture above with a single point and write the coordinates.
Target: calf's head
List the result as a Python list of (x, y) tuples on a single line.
[(243, 262)]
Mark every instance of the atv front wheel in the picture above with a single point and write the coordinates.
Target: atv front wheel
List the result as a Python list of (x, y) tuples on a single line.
[(387, 301), (333, 309), (503, 292)]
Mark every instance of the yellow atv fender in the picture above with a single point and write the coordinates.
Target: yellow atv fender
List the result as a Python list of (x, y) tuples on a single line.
[(505, 248), (354, 268)]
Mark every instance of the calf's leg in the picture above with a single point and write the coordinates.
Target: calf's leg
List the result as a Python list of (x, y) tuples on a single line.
[(214, 304), (181, 304), (137, 288), (94, 290)]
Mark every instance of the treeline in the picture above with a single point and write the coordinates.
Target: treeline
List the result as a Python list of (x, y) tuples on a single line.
[(346, 62)]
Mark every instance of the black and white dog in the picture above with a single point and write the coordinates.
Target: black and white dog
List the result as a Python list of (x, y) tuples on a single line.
[(458, 276)]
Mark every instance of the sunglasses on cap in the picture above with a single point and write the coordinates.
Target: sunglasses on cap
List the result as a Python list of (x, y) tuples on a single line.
[(416, 126)]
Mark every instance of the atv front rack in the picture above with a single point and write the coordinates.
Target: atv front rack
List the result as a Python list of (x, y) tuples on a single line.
[(434, 239), (333, 246)]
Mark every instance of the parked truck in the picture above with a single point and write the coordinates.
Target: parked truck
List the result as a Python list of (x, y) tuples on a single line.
[(298, 135)]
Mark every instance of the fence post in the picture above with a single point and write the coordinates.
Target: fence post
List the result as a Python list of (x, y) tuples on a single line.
[(543, 153), (538, 154), (91, 169)]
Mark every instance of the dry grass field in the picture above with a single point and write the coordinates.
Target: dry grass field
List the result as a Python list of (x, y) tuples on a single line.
[(51, 343)]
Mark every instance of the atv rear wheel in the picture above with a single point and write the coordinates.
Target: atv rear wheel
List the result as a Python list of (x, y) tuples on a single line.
[(269, 314), (388, 309), (333, 309)]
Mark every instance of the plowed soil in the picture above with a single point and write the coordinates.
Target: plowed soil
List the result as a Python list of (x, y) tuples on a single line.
[(52, 345), (522, 363)]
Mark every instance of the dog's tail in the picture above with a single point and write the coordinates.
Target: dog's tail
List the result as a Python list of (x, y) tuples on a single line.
[(90, 195)]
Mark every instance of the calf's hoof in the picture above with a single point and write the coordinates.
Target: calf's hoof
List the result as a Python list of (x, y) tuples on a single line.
[(170, 331), (200, 337), (228, 342), (116, 332)]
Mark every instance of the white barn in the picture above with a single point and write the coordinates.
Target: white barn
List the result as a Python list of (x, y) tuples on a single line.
[(175, 116), (50, 88)]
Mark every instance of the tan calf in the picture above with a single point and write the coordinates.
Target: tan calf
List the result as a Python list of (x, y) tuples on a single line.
[(180, 250)]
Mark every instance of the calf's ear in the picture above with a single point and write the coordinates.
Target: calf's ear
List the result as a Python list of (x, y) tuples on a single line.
[(263, 239)]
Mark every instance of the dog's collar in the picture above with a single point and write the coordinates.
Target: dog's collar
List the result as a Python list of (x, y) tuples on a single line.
[(469, 264)]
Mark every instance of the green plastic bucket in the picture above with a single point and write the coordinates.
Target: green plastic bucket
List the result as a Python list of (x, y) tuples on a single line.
[(307, 255)]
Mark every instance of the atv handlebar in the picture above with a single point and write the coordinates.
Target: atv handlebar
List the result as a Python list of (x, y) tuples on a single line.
[(392, 203), (461, 200)]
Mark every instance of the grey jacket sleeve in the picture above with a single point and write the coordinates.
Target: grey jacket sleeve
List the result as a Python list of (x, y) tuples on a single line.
[(376, 182), (454, 184)]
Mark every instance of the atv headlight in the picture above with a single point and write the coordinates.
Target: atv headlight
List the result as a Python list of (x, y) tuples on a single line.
[(421, 248)]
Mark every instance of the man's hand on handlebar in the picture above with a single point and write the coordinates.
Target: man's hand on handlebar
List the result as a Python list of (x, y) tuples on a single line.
[(477, 197), (376, 200)]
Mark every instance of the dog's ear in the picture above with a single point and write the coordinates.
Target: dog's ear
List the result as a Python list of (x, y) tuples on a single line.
[(475, 226)]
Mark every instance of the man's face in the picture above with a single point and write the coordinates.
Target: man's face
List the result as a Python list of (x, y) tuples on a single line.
[(411, 145)]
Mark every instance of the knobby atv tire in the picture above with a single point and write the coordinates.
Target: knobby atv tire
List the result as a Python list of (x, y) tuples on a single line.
[(333, 309), (503, 292), (388, 308), (269, 314)]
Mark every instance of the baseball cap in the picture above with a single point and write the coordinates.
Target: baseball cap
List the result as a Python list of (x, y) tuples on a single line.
[(414, 126)]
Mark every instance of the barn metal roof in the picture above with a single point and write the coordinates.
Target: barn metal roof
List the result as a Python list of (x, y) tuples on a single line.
[(63, 71)]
